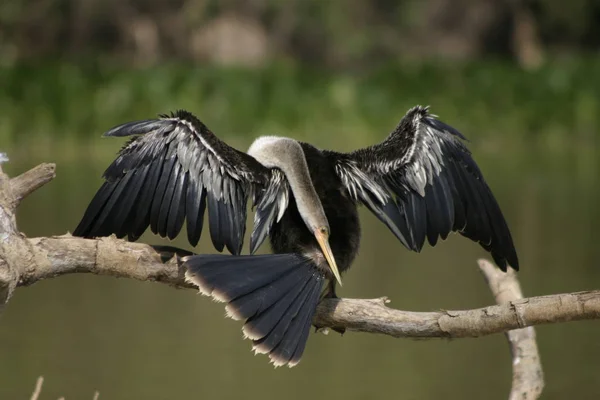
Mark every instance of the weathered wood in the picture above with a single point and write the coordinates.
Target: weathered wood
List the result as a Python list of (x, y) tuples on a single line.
[(15, 250), (31, 180), (528, 376), (59, 255), (373, 316)]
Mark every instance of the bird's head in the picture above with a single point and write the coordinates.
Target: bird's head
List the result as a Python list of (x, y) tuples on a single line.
[(287, 155)]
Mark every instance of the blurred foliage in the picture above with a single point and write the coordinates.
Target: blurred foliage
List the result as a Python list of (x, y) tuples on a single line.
[(346, 33), (497, 102)]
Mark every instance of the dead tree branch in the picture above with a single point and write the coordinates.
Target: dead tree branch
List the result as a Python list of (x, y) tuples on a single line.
[(373, 316), (55, 256), (528, 377), (38, 390), (25, 261), (29, 260)]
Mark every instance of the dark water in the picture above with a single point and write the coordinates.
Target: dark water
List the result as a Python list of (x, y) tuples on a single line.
[(134, 340)]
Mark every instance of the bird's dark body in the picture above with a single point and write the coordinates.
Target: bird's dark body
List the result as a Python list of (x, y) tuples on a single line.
[(421, 182), (291, 235)]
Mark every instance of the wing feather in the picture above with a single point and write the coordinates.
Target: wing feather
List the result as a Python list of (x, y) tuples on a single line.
[(97, 204), (178, 205), (142, 212), (165, 206), (270, 206), (104, 223), (168, 173), (126, 214), (195, 207), (426, 172)]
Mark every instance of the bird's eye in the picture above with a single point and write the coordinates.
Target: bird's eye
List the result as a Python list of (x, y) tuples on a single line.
[(324, 231)]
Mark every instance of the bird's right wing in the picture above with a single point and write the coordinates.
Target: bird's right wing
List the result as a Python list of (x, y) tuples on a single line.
[(169, 172)]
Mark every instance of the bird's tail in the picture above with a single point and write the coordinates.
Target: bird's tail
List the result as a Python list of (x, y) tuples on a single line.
[(275, 294)]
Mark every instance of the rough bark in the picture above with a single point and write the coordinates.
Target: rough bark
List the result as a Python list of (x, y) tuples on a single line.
[(51, 257), (373, 316)]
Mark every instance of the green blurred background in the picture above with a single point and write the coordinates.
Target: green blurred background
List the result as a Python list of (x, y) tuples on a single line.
[(520, 79)]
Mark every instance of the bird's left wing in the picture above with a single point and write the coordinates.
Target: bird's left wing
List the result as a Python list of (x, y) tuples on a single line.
[(170, 172), (423, 183)]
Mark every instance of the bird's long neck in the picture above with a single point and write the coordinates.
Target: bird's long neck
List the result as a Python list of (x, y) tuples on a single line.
[(287, 155)]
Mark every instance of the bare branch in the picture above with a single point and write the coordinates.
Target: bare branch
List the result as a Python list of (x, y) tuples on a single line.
[(37, 391), (373, 316), (31, 180), (38, 388), (528, 377), (60, 255)]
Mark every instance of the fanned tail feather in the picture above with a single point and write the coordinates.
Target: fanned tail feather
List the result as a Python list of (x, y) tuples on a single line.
[(275, 294)]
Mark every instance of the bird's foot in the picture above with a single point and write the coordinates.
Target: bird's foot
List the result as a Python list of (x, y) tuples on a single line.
[(329, 293)]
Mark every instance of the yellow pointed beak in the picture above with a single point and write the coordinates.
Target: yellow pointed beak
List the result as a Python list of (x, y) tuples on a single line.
[(323, 239)]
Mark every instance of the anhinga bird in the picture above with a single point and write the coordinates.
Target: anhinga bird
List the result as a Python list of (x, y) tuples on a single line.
[(420, 181)]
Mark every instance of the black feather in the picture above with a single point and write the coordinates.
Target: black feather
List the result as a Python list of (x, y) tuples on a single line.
[(104, 225), (143, 211), (142, 127), (165, 206), (159, 194), (85, 227), (298, 331), (214, 222), (265, 215), (434, 214), (438, 186), (442, 127), (259, 300), (447, 204), (251, 273), (276, 295), (469, 204), (172, 162), (126, 214), (195, 207), (177, 210), (279, 315), (392, 217), (477, 209), (262, 223), (416, 215), (228, 228), (238, 212), (279, 330), (463, 199)]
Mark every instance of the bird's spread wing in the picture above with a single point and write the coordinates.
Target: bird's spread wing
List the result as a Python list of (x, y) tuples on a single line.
[(169, 173), (423, 183)]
